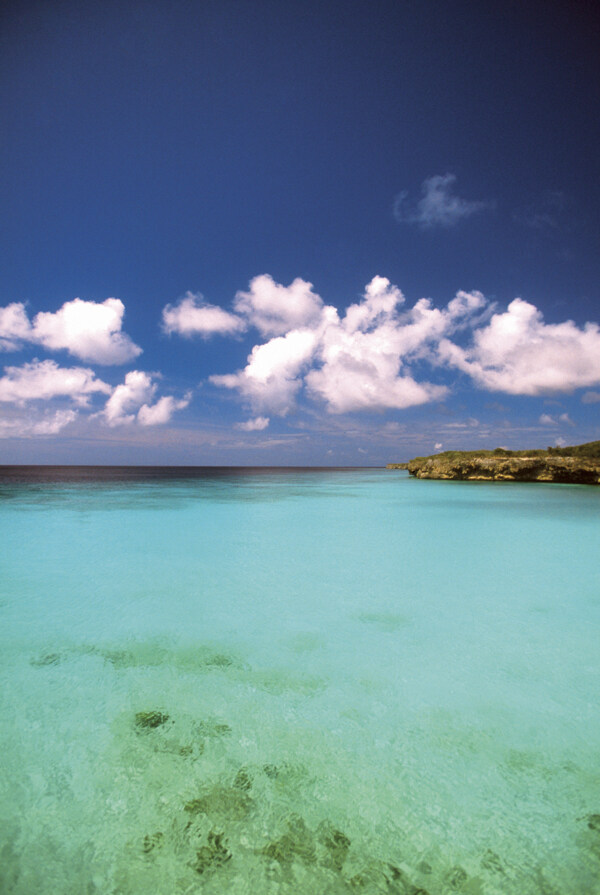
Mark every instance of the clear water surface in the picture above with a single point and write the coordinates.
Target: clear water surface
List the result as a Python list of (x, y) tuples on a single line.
[(296, 681)]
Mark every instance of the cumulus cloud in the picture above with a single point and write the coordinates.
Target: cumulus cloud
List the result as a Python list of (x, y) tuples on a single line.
[(272, 376), (268, 306), (362, 372), (254, 425), (357, 362), (379, 304), (14, 326), (137, 390), (439, 207), (45, 380), (132, 401), (52, 423), (161, 412), (194, 316), (275, 309), (519, 354), (366, 356), (27, 425), (371, 356), (88, 330), (547, 420)]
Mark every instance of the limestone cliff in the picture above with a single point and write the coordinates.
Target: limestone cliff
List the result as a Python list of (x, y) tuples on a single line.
[(576, 465)]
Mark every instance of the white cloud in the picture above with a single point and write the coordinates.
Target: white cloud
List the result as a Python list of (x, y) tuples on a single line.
[(161, 412), (275, 309), (519, 354), (465, 304), (254, 425), (365, 375), (272, 377), (14, 326), (32, 424), (52, 423), (131, 401), (379, 304), (138, 389), (590, 398), (547, 420), (365, 355), (88, 330), (44, 380), (358, 362), (566, 419), (368, 358), (438, 446), (194, 316), (438, 207)]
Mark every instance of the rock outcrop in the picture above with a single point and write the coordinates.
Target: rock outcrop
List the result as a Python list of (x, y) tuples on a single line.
[(573, 465)]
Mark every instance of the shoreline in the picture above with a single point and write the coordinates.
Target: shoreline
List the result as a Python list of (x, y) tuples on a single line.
[(578, 465)]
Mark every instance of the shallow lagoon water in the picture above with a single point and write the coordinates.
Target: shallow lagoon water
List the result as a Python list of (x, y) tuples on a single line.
[(298, 682)]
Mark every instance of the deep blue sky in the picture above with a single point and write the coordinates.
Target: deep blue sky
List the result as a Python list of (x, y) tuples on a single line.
[(154, 149)]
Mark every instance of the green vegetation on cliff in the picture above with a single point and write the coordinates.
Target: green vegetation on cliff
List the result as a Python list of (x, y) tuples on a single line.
[(578, 464), (591, 450)]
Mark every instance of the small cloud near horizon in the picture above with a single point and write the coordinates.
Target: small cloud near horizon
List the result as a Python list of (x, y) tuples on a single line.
[(254, 425), (563, 419)]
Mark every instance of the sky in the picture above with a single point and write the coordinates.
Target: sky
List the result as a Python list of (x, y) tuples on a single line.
[(297, 233)]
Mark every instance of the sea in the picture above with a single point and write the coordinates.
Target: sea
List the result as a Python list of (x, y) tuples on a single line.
[(306, 681)]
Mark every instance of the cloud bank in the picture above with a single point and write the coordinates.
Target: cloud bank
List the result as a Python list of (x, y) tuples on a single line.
[(372, 356), (377, 354), (360, 360)]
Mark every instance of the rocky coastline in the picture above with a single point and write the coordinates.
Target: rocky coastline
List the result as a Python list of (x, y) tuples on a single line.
[(579, 464)]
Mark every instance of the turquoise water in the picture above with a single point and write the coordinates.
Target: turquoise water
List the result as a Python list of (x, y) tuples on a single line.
[(299, 682)]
